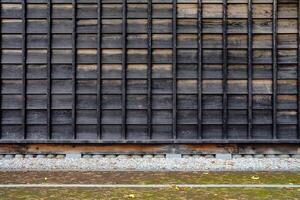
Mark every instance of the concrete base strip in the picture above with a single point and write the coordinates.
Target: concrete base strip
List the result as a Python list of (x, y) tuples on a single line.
[(148, 186)]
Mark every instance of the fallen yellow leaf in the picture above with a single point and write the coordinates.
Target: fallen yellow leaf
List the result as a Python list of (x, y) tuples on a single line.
[(255, 177), (131, 196), (46, 178)]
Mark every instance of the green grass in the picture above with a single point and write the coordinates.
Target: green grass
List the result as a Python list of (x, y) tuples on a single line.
[(145, 194), (150, 177), (173, 193)]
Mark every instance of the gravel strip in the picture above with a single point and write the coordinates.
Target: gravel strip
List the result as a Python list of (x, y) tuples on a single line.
[(150, 164)]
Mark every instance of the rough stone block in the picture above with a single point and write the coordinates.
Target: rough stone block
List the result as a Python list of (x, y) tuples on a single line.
[(87, 156), (110, 156), (224, 156), (73, 155), (159, 156), (19, 156), (148, 156), (41, 156), (8, 156), (259, 156), (173, 156)]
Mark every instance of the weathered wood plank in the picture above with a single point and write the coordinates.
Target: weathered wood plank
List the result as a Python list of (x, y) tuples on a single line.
[(161, 69)]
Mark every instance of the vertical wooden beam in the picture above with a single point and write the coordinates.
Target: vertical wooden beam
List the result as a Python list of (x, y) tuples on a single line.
[(250, 69), (49, 55), (274, 64), (1, 71), (199, 133), (174, 70), (298, 132), (74, 68), (149, 71), (225, 71), (124, 69), (99, 70), (24, 66)]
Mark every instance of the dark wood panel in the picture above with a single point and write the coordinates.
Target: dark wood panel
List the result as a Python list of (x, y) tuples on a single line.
[(119, 69)]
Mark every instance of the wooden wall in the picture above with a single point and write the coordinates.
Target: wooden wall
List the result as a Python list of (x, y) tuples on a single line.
[(69, 73)]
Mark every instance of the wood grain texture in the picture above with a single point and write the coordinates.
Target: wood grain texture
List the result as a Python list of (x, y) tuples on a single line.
[(163, 79)]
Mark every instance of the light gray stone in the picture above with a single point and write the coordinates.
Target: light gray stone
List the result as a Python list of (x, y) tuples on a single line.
[(122, 156), (284, 156), (159, 156), (110, 156), (259, 156), (209, 156), (224, 156), (8, 156), (87, 156), (136, 156), (197, 156), (236, 156), (60, 156), (148, 156), (173, 156), (97, 156), (41, 156), (248, 156), (270, 156), (73, 155), (297, 156), (28, 156), (19, 156), (50, 156)]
